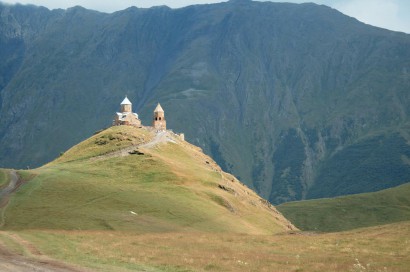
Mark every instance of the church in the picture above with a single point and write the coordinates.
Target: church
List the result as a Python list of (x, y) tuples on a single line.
[(129, 118), (126, 116)]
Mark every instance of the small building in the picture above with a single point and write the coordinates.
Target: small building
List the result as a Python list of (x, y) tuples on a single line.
[(126, 116), (159, 122)]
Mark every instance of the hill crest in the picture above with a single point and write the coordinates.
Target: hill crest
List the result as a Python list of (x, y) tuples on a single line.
[(143, 180)]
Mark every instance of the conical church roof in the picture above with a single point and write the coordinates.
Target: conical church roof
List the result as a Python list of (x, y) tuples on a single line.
[(158, 108), (126, 101)]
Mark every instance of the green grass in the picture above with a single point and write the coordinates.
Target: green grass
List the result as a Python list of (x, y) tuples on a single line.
[(106, 141), (10, 244), (65, 247), (350, 212), (169, 188), (382, 248), (104, 198), (4, 178)]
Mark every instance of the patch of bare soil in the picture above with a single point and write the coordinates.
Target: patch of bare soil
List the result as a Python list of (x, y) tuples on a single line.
[(160, 137), (11, 261)]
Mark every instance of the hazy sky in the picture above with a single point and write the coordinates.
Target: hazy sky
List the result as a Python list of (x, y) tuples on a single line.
[(390, 14)]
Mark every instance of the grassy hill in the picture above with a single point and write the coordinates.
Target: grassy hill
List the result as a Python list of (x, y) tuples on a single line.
[(171, 186), (350, 212), (128, 199)]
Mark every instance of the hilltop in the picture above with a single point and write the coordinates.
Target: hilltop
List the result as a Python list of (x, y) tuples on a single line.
[(313, 104), (135, 179)]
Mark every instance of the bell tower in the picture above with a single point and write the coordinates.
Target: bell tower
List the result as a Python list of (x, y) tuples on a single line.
[(126, 105), (159, 121)]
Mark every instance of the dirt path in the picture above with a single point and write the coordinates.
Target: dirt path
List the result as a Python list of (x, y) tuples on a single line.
[(14, 184), (10, 261), (14, 178), (13, 262), (160, 137)]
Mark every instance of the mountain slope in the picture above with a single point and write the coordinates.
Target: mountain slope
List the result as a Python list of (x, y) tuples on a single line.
[(130, 179), (350, 212), (313, 104)]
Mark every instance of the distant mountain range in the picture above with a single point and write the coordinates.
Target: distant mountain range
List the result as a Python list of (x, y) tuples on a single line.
[(297, 100)]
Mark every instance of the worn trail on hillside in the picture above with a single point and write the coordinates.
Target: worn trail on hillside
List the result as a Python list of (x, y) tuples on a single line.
[(10, 261), (160, 137), (14, 183)]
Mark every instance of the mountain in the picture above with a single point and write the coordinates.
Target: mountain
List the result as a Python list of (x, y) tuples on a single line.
[(132, 179), (350, 212), (297, 100)]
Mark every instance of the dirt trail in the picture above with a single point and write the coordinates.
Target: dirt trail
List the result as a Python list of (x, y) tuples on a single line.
[(14, 179), (160, 137), (10, 261), (14, 184)]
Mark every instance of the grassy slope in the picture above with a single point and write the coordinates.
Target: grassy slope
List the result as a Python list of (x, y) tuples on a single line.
[(350, 212), (3, 177), (104, 142), (169, 188), (382, 248)]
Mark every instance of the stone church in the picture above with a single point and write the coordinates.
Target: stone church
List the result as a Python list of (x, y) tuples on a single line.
[(126, 116)]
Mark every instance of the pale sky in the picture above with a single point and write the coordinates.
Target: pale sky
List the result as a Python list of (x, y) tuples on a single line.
[(390, 14)]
